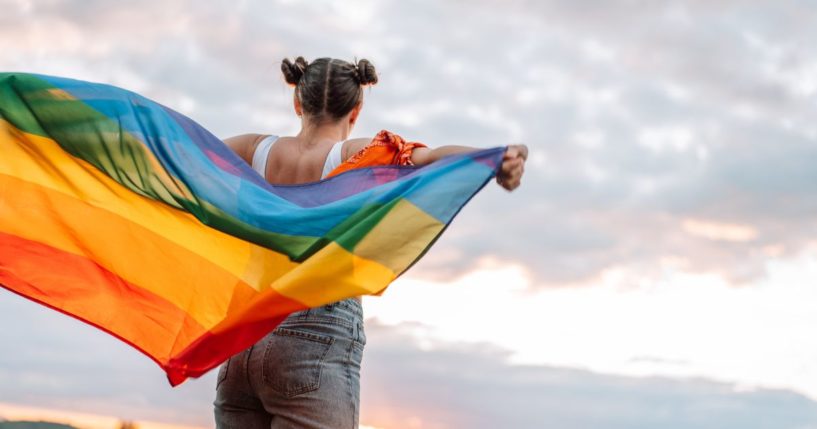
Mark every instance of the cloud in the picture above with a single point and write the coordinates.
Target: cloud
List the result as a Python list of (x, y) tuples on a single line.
[(59, 363), (662, 136), (692, 120), (694, 111), (450, 385), (50, 360)]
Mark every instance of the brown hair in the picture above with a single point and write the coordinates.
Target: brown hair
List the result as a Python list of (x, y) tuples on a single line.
[(328, 88)]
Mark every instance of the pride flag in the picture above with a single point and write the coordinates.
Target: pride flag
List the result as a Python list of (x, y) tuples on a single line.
[(131, 217)]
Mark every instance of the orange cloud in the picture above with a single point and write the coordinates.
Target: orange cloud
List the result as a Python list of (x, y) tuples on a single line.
[(80, 420), (719, 230)]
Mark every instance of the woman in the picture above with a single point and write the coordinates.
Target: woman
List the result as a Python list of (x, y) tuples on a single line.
[(306, 373)]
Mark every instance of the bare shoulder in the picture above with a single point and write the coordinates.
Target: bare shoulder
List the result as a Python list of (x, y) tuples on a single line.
[(244, 144), (353, 146)]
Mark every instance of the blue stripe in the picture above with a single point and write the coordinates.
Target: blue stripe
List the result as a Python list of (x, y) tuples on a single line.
[(178, 143)]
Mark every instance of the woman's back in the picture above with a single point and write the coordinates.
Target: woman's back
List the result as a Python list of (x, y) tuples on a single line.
[(293, 161)]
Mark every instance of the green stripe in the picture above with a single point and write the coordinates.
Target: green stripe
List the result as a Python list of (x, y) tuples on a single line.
[(88, 135), (14, 109), (352, 230), (297, 247), (93, 137)]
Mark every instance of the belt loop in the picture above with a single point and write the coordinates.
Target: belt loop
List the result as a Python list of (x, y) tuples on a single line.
[(359, 330)]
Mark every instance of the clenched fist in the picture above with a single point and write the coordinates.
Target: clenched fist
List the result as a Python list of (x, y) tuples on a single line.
[(513, 166)]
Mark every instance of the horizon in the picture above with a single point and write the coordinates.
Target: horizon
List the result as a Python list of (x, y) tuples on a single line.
[(655, 268)]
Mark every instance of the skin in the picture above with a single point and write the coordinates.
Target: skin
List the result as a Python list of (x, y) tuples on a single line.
[(300, 159)]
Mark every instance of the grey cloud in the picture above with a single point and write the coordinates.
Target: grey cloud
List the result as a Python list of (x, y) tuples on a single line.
[(50, 360), (56, 362), (474, 386), (487, 73), (754, 171)]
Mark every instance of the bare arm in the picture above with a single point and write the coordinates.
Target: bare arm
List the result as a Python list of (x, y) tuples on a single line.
[(244, 145), (419, 156), (425, 155), (509, 175), (353, 146)]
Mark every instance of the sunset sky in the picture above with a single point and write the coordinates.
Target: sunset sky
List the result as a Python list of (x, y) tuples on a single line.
[(657, 268)]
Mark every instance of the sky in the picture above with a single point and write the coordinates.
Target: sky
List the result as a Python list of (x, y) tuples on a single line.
[(657, 267)]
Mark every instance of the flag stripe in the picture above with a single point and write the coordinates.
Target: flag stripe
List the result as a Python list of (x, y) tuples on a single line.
[(404, 248), (200, 287), (138, 206), (33, 163), (95, 105), (155, 267), (59, 279)]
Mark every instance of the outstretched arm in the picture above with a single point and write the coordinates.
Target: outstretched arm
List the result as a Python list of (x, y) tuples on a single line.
[(427, 155), (509, 175)]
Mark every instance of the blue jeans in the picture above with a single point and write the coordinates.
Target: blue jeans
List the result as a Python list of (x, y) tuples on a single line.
[(304, 374)]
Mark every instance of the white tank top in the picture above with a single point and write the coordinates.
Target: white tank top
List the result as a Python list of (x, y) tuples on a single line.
[(261, 155)]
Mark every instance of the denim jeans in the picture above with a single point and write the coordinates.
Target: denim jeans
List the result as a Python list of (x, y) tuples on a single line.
[(304, 374)]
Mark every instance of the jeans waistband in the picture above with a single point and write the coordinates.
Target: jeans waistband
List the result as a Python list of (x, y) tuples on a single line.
[(349, 309), (352, 305)]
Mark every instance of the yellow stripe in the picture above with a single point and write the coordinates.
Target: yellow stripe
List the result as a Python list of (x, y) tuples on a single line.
[(160, 181), (315, 282), (194, 285), (403, 248), (41, 161)]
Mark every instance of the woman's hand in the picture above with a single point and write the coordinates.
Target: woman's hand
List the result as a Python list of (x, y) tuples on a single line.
[(513, 166)]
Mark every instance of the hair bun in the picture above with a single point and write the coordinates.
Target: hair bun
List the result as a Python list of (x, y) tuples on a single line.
[(366, 72), (293, 71)]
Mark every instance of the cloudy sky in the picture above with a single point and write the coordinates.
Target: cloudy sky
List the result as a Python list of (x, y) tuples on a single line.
[(658, 267)]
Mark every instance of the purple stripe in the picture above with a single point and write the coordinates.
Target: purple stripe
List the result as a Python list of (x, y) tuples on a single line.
[(215, 149)]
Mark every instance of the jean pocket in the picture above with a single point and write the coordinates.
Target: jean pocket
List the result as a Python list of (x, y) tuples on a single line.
[(293, 361)]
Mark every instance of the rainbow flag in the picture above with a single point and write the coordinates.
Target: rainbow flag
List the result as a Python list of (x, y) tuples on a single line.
[(131, 217)]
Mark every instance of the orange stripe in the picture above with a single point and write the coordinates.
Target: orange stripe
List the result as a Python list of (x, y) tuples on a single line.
[(83, 289), (41, 161), (136, 254), (314, 282), (239, 330)]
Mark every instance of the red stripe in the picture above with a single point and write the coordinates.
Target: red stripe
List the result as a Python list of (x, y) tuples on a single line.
[(259, 315), (80, 288)]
